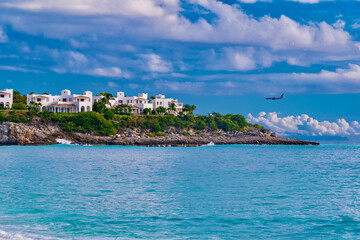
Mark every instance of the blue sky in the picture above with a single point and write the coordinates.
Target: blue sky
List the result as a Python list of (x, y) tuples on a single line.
[(222, 56)]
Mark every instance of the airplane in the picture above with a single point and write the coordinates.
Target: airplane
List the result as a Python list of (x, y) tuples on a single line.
[(275, 98)]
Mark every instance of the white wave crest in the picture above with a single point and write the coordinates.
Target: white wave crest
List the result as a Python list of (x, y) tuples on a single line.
[(209, 144), (63, 141)]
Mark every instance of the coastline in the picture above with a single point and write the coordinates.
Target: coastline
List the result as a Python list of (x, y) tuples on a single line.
[(48, 133)]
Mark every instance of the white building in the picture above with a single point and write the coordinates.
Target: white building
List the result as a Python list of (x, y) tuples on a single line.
[(161, 101), (6, 98), (140, 102), (66, 102)]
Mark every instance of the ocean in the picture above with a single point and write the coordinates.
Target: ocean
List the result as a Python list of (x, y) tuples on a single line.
[(209, 192)]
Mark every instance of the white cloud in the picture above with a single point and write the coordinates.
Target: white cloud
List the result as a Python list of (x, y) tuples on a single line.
[(113, 72), (18, 69), (155, 63), (343, 75), (78, 44), (240, 59), (163, 19), (147, 8), (305, 125), (3, 36)]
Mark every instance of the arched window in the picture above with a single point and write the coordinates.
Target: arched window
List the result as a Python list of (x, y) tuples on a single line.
[(2, 106), (88, 109), (82, 109), (7, 105)]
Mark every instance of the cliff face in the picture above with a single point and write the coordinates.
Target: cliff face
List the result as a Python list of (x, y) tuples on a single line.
[(38, 133)]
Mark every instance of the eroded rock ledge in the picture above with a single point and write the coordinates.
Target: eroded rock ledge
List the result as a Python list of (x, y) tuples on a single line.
[(37, 133)]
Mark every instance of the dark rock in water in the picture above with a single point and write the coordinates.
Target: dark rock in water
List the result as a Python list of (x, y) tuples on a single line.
[(37, 133)]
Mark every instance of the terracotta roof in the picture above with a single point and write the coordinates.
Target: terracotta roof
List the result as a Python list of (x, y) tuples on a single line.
[(176, 101), (81, 96), (42, 96), (4, 92), (62, 105), (139, 98)]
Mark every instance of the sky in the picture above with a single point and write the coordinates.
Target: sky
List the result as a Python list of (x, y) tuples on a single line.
[(222, 56)]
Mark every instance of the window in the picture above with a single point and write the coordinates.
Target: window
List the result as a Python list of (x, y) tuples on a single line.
[(169, 104), (70, 99), (120, 101), (82, 100), (38, 100), (64, 100), (2, 95)]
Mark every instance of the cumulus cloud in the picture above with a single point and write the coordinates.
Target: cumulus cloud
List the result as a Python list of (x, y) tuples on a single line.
[(163, 19), (241, 59), (154, 63), (148, 8), (305, 125), (113, 72), (344, 75)]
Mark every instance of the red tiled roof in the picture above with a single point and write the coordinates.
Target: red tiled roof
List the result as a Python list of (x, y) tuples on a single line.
[(42, 96), (81, 96)]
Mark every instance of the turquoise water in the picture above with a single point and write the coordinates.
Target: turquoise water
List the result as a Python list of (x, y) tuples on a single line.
[(214, 192)]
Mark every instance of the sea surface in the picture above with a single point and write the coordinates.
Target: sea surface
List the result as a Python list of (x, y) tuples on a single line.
[(209, 192)]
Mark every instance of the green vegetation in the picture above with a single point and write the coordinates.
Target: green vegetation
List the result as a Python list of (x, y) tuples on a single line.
[(109, 123)]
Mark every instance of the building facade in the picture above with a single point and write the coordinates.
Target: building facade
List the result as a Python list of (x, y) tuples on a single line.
[(6, 98), (161, 101), (64, 103), (141, 102)]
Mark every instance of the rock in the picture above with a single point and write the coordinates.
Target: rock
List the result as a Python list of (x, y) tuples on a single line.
[(38, 133)]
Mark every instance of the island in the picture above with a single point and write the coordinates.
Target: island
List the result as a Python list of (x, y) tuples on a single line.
[(34, 127)]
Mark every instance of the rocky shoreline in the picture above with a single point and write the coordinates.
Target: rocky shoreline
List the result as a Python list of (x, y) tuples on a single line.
[(37, 133)]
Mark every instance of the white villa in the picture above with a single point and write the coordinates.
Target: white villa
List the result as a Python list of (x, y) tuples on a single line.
[(66, 102), (140, 102), (74, 103), (6, 98), (161, 101)]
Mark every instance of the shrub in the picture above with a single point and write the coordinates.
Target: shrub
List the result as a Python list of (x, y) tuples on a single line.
[(109, 114)]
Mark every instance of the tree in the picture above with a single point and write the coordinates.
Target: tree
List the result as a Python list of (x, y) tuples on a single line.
[(35, 105), (123, 109), (161, 110), (98, 107), (109, 114), (172, 108), (189, 109), (146, 111), (106, 97), (20, 106), (18, 98)]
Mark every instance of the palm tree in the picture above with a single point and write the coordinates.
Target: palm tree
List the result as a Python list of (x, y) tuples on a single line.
[(189, 109), (106, 98), (35, 105), (172, 108)]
